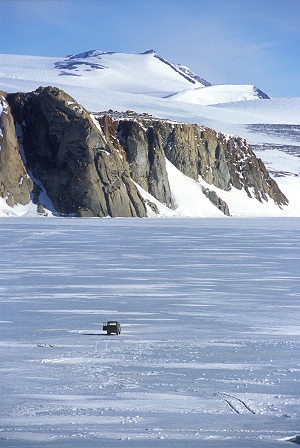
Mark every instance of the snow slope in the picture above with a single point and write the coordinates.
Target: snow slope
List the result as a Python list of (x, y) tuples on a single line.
[(102, 81), (218, 94), (208, 354), (142, 73), (191, 202)]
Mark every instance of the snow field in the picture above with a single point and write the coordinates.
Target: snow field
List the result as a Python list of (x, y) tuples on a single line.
[(210, 332)]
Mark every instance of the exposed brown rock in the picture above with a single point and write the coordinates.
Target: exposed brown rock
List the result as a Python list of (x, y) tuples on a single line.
[(15, 184), (145, 156), (82, 172), (221, 161)]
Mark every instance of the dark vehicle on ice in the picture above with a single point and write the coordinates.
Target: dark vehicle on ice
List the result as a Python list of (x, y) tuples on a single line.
[(112, 326)]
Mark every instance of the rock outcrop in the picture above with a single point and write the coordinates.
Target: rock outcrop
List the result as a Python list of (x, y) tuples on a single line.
[(217, 201), (15, 184), (220, 160), (198, 152), (83, 174), (144, 153), (94, 167)]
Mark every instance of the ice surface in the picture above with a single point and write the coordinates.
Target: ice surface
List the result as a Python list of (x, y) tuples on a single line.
[(209, 350)]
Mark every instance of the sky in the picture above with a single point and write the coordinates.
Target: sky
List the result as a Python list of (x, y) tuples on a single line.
[(223, 41)]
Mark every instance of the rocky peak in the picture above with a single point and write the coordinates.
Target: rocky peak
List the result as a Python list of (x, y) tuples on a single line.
[(260, 94), (181, 69), (15, 184), (89, 54), (150, 52), (67, 151)]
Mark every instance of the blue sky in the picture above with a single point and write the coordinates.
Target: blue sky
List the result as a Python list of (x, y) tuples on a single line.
[(224, 41)]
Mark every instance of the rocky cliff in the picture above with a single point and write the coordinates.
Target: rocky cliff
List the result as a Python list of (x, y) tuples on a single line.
[(198, 152), (65, 149), (221, 160), (95, 167), (15, 183)]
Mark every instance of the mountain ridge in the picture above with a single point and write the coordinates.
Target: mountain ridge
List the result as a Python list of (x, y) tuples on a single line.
[(181, 69)]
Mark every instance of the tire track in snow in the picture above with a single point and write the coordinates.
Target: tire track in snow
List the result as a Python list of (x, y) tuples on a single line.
[(236, 404)]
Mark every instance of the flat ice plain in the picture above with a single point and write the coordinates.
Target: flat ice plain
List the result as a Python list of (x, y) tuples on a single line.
[(209, 350)]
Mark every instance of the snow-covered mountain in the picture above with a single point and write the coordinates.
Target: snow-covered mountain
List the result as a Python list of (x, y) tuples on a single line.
[(148, 83), (146, 73)]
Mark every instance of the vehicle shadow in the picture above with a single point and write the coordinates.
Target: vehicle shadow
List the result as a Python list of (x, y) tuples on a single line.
[(97, 334), (94, 334)]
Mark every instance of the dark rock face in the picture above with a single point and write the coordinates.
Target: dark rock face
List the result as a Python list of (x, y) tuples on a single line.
[(145, 156), (83, 174), (260, 94), (217, 201), (15, 184)]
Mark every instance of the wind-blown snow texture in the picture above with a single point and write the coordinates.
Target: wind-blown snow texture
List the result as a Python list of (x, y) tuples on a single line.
[(209, 347), (145, 83)]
